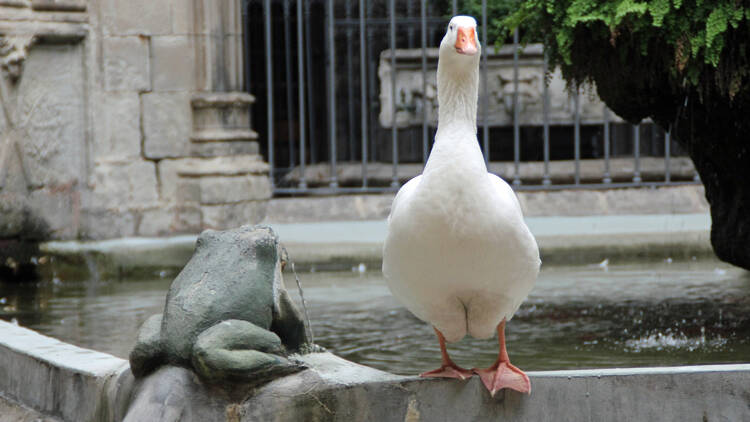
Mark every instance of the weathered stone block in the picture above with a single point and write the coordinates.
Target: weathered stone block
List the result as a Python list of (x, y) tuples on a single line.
[(223, 190), (167, 221), (231, 215), (186, 219), (117, 127), (106, 224), (173, 63), (183, 16), (166, 124), (175, 172), (60, 209), (135, 17), (126, 63), (127, 185)]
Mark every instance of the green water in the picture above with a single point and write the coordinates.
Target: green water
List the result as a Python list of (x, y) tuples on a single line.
[(695, 312)]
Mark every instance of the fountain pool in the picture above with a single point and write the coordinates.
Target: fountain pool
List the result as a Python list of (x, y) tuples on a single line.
[(626, 315)]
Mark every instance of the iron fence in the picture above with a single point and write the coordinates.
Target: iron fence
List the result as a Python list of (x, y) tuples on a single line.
[(322, 86)]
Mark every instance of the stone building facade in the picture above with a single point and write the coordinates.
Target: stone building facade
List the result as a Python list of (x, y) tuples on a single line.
[(125, 118)]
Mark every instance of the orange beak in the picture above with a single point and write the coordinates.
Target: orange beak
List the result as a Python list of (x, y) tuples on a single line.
[(466, 43)]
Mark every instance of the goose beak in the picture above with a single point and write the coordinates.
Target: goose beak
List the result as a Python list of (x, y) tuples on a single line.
[(466, 42)]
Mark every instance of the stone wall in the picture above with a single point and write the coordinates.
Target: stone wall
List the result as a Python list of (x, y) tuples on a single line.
[(123, 118)]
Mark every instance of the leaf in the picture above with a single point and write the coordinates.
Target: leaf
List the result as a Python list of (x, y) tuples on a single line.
[(716, 24), (658, 9), (627, 7)]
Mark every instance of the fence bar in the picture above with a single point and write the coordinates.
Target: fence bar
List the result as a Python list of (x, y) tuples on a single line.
[(607, 177), (246, 38), (372, 75), (332, 96), (310, 86), (577, 135), (363, 88), (637, 153), (288, 74), (410, 30), (454, 7), (545, 117), (269, 87), (301, 91), (667, 156), (516, 126), (423, 15), (485, 90), (394, 129), (350, 85)]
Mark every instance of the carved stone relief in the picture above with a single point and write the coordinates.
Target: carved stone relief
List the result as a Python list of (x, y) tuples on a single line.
[(42, 116), (13, 52), (411, 100)]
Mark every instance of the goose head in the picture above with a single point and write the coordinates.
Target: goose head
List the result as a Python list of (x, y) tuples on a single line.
[(458, 73), (461, 36)]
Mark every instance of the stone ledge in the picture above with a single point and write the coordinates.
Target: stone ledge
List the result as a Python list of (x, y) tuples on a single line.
[(43, 377), (221, 166), (334, 389), (222, 99), (11, 411), (225, 135), (56, 378)]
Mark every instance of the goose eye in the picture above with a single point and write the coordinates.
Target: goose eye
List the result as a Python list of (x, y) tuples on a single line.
[(451, 27)]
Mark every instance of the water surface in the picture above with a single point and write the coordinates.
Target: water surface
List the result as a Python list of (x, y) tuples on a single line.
[(695, 312)]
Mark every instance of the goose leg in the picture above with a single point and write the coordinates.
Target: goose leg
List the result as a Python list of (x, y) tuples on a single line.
[(448, 369), (502, 374)]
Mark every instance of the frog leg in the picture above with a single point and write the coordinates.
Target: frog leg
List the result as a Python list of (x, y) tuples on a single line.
[(240, 351), (148, 353)]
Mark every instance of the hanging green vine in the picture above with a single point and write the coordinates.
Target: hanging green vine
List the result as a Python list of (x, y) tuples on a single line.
[(701, 42)]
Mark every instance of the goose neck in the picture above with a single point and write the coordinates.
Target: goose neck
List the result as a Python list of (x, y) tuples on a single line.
[(457, 97)]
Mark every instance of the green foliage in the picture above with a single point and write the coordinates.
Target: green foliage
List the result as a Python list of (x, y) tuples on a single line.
[(704, 41), (497, 11)]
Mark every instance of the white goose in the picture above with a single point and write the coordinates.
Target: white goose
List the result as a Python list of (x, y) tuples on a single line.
[(458, 253)]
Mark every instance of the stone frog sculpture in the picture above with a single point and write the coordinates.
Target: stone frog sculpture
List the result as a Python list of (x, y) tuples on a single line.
[(227, 314)]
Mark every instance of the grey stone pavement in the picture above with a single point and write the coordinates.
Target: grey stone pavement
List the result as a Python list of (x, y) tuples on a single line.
[(562, 240), (340, 232), (341, 245), (373, 231)]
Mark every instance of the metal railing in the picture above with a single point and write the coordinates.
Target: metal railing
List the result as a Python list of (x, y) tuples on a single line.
[(321, 139)]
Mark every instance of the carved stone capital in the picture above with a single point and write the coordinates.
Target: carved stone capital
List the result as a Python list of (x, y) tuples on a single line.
[(13, 52)]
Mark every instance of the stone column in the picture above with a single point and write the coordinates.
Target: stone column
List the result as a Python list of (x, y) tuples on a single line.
[(197, 123), (225, 178)]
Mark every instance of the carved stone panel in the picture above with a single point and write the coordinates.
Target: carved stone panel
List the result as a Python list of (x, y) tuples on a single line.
[(46, 109), (48, 104), (412, 98)]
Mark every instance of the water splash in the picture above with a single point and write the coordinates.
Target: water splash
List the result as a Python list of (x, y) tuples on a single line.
[(674, 341), (304, 305)]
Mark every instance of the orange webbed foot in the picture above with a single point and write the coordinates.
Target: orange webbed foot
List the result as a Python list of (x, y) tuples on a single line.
[(504, 375)]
